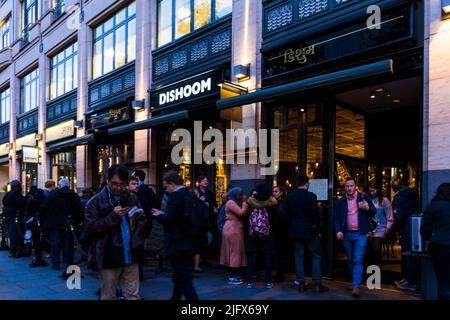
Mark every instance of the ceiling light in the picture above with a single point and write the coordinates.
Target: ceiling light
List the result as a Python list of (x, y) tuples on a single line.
[(372, 94), (379, 90), (396, 101)]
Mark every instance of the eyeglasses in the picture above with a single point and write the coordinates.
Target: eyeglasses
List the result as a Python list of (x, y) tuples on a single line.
[(118, 184)]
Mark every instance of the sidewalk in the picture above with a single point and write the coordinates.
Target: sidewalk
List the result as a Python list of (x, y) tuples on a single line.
[(19, 282)]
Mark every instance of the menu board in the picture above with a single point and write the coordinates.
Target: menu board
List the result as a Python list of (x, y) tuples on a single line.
[(320, 188)]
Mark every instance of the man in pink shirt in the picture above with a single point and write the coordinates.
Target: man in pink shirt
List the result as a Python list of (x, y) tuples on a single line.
[(352, 215)]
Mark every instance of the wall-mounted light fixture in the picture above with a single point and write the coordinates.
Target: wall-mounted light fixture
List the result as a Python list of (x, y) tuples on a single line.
[(138, 105), (445, 9), (242, 72), (38, 137), (78, 124)]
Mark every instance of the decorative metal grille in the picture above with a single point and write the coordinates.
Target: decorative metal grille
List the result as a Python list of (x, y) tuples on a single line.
[(279, 17), (307, 8)]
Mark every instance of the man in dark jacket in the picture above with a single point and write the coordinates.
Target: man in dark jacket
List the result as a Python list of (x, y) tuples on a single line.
[(63, 212), (115, 227), (13, 211), (36, 211), (304, 229), (352, 215), (178, 248), (404, 205), (146, 199)]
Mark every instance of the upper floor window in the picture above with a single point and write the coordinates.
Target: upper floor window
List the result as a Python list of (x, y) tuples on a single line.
[(177, 18), (29, 86), (30, 12), (58, 7), (5, 33), (5, 106), (115, 41), (64, 71)]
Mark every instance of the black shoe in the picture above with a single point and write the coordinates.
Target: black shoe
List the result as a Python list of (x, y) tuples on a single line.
[(20, 255), (12, 255), (303, 287), (40, 263), (64, 275)]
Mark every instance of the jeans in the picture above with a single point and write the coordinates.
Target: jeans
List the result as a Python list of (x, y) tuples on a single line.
[(314, 247), (355, 247), (182, 279), (56, 237), (441, 263), (409, 263), (252, 264)]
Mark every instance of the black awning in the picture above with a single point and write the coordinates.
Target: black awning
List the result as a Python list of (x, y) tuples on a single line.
[(333, 78), (70, 143), (150, 123)]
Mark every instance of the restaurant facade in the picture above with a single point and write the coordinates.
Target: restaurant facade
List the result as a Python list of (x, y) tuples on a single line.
[(355, 88)]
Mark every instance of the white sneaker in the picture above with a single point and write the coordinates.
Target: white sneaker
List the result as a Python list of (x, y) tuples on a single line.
[(233, 280)]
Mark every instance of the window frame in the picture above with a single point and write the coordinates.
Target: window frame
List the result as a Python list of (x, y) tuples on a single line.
[(32, 82), (5, 30), (213, 18), (100, 37), (29, 5), (5, 101), (55, 66)]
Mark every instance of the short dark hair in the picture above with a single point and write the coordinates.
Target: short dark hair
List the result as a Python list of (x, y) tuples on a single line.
[(443, 192), (301, 180), (173, 177), (119, 170), (201, 177), (140, 174), (350, 179)]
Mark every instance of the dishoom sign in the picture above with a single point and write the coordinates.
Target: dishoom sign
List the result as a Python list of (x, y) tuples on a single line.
[(187, 90)]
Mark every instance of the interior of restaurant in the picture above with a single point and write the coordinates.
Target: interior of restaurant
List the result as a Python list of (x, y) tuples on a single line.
[(371, 133)]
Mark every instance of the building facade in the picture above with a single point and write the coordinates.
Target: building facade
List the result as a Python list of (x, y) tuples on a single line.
[(355, 88)]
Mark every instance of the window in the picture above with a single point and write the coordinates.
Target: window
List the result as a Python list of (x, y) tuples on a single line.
[(177, 18), (5, 34), (115, 41), (5, 106), (350, 133), (30, 91), (58, 7), (64, 71), (30, 13)]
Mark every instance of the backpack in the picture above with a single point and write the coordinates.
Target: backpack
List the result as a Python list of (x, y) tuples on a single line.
[(259, 225), (196, 218), (221, 218)]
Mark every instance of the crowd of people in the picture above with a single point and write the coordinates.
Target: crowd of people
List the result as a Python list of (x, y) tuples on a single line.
[(265, 228)]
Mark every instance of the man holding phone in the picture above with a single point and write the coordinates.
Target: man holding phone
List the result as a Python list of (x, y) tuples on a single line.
[(352, 224), (113, 238)]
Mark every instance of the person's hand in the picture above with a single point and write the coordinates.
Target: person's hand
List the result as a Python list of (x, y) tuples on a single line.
[(120, 212), (339, 235), (202, 198), (156, 212), (244, 198), (363, 205)]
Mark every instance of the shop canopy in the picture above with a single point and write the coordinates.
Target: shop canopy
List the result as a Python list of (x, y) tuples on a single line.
[(369, 70), (70, 143), (150, 123)]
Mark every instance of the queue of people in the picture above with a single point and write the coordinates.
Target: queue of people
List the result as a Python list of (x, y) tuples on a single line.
[(268, 226)]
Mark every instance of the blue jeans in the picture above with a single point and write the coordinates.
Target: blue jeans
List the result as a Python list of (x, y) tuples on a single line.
[(355, 247)]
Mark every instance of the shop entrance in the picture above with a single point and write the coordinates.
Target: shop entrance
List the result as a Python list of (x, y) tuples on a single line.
[(217, 173), (371, 133)]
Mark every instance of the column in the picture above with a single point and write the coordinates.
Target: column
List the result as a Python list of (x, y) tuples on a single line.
[(14, 167), (436, 117), (143, 80), (246, 43), (43, 166), (84, 166)]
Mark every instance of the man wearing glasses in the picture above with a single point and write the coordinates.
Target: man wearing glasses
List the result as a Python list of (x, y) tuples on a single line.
[(114, 236)]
